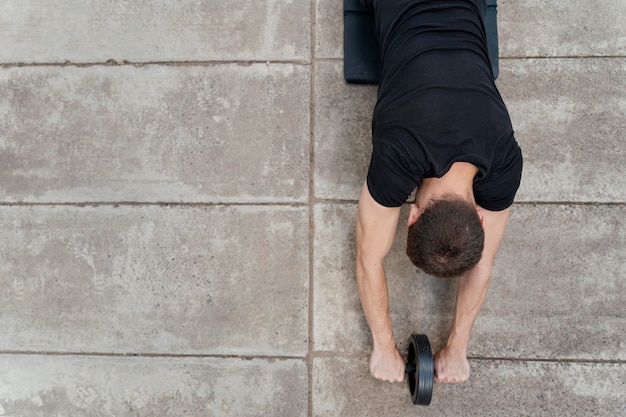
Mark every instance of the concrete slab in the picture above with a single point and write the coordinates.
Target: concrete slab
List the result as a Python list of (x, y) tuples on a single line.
[(343, 387), (343, 140), (568, 115), (155, 133), (557, 290), (38, 386), (185, 30), (558, 287), (328, 29), (530, 28), (334, 285), (150, 279)]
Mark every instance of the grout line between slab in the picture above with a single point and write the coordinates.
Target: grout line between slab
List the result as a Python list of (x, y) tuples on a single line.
[(248, 62), (148, 204), (550, 360), (308, 358), (311, 202), (138, 64), (148, 355), (347, 355)]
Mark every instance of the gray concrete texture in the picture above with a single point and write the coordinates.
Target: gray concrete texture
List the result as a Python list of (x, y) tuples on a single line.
[(152, 279), (91, 31), (155, 133), (178, 186), (42, 386)]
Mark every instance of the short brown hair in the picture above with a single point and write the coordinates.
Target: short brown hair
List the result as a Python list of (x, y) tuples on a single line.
[(447, 239)]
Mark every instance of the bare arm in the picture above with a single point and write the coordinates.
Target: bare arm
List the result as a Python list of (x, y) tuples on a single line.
[(376, 228), (451, 362)]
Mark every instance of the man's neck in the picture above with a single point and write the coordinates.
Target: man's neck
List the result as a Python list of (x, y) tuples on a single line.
[(458, 181)]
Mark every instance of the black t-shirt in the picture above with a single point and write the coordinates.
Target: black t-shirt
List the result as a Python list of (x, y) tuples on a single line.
[(438, 103)]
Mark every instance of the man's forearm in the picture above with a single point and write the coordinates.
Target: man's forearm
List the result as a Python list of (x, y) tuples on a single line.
[(472, 289), (474, 284), (372, 286), (386, 363)]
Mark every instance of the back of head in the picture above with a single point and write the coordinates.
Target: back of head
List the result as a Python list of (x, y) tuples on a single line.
[(447, 239)]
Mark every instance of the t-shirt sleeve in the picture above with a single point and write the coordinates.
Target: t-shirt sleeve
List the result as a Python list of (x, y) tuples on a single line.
[(393, 174), (497, 190)]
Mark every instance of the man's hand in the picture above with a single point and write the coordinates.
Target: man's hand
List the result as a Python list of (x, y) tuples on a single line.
[(387, 365), (451, 366)]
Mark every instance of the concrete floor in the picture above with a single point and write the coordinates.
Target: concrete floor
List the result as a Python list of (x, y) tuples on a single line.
[(178, 185)]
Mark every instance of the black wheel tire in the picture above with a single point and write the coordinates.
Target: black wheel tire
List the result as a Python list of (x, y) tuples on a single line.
[(422, 381)]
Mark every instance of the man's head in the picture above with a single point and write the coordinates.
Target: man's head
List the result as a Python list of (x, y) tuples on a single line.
[(446, 239)]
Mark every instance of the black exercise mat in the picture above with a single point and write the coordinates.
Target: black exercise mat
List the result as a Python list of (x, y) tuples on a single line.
[(361, 53)]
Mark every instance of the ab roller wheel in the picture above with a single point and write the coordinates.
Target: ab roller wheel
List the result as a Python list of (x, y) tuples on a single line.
[(421, 369)]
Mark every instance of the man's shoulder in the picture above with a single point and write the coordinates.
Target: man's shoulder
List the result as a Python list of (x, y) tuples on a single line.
[(394, 172), (496, 190)]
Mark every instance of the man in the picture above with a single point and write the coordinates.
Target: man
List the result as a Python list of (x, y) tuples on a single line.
[(440, 125)]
